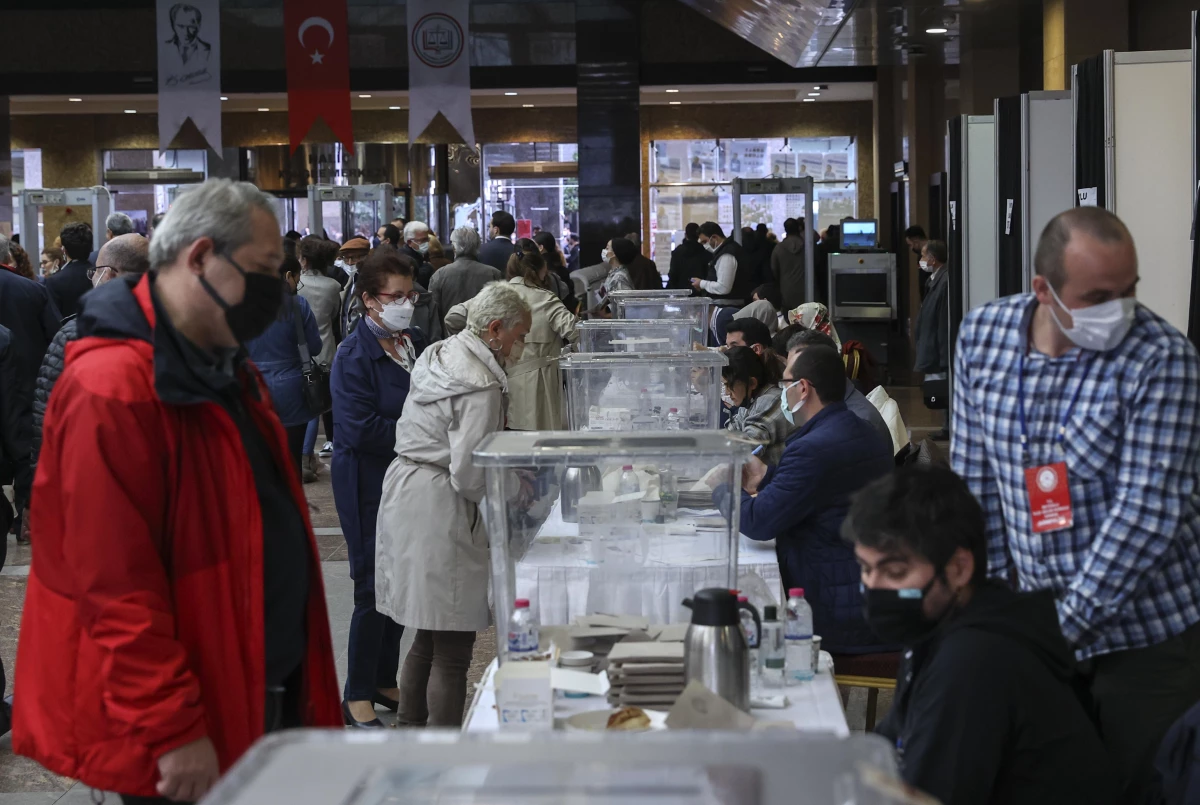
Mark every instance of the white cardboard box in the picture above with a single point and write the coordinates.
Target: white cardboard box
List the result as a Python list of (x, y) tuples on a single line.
[(524, 697)]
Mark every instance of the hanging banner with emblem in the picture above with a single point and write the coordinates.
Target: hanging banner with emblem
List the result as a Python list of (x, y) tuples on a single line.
[(318, 68), (439, 66), (189, 69)]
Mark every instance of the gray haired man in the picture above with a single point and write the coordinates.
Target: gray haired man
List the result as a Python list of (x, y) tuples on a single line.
[(115, 225), (164, 475), (464, 278)]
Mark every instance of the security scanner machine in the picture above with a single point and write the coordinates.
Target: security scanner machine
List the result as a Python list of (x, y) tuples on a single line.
[(664, 767), (771, 202), (635, 335), (862, 287), (1034, 136), (1135, 149), (361, 208), (31, 202), (643, 391)]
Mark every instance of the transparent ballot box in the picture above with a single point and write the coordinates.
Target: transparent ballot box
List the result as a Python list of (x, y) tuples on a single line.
[(448, 767), (665, 293), (643, 391), (640, 335), (695, 309), (629, 518)]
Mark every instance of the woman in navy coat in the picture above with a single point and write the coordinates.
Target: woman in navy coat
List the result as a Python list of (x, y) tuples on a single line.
[(370, 384)]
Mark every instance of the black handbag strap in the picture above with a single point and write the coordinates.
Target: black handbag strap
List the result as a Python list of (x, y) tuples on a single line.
[(301, 341)]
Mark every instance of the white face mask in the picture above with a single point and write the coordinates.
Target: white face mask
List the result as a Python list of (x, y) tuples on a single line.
[(926, 267), (423, 248), (1098, 327), (727, 399), (397, 316), (709, 245), (606, 255), (789, 411), (344, 266)]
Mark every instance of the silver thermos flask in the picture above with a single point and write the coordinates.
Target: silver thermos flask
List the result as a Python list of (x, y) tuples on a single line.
[(577, 482), (715, 649)]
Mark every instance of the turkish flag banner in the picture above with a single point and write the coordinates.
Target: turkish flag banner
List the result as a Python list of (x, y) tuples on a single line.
[(318, 68)]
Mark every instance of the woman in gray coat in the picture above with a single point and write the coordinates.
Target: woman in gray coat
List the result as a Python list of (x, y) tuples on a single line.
[(431, 567)]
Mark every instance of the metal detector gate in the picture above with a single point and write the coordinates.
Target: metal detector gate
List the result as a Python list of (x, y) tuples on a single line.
[(98, 198), (771, 202), (379, 195)]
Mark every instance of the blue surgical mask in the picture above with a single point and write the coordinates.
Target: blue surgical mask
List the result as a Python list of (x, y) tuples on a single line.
[(789, 411)]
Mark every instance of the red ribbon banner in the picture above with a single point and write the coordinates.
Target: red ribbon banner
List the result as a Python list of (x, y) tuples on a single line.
[(318, 68)]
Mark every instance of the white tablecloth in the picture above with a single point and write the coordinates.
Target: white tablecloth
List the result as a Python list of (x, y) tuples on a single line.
[(562, 583), (812, 706)]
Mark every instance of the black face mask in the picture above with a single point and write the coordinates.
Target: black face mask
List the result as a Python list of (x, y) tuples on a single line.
[(897, 616), (250, 317)]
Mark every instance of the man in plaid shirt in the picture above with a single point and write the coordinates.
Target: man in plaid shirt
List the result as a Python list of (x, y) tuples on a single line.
[(1077, 426)]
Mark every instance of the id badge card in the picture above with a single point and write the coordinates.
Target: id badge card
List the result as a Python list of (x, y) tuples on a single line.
[(1049, 497)]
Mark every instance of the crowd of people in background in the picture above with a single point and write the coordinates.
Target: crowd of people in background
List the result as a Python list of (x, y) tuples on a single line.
[(149, 379)]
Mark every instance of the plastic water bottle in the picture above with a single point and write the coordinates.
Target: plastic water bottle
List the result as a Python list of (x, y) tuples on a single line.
[(629, 481), (645, 404), (668, 495), (799, 637), (522, 632), (750, 628), (674, 420), (773, 651)]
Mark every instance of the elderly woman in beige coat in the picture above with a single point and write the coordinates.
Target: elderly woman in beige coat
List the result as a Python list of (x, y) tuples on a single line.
[(431, 551), (534, 380)]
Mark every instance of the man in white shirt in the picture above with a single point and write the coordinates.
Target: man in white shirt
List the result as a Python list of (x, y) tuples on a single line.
[(725, 273)]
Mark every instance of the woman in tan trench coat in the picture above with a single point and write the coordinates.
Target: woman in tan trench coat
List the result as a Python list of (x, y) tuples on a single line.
[(431, 550), (534, 380)]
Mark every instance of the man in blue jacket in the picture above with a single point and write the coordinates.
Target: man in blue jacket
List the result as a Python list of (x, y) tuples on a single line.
[(801, 503)]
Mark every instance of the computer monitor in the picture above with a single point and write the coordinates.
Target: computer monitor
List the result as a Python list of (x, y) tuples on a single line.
[(860, 234)]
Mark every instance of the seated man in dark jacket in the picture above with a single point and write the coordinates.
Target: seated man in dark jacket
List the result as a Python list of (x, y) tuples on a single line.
[(801, 503), (986, 707)]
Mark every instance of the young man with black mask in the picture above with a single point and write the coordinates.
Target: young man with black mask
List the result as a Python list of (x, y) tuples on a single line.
[(987, 708)]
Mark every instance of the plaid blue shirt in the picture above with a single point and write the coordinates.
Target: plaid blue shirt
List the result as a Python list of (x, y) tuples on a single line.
[(1127, 572)]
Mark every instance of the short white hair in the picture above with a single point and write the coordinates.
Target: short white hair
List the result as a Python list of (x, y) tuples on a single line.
[(218, 209), (119, 224), (498, 301), (465, 241), (414, 228)]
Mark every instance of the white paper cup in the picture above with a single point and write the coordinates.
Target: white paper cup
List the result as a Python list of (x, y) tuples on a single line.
[(816, 647)]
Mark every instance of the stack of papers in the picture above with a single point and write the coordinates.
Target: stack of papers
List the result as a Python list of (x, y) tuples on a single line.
[(645, 674)]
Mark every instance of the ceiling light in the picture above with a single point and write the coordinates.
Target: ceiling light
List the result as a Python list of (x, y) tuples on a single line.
[(935, 30), (510, 94), (810, 100), (364, 96), (74, 100), (393, 107), (814, 94), (131, 111), (837, 50), (674, 103), (817, 87), (527, 105), (224, 97), (672, 90), (263, 109)]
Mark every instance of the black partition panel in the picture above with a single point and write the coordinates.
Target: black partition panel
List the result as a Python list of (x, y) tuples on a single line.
[(1010, 244), (1090, 95), (954, 242), (938, 229)]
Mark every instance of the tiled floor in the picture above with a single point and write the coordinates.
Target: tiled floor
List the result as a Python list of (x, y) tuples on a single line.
[(23, 782)]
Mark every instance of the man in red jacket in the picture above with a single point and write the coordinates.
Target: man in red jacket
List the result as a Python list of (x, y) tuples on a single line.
[(174, 610)]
